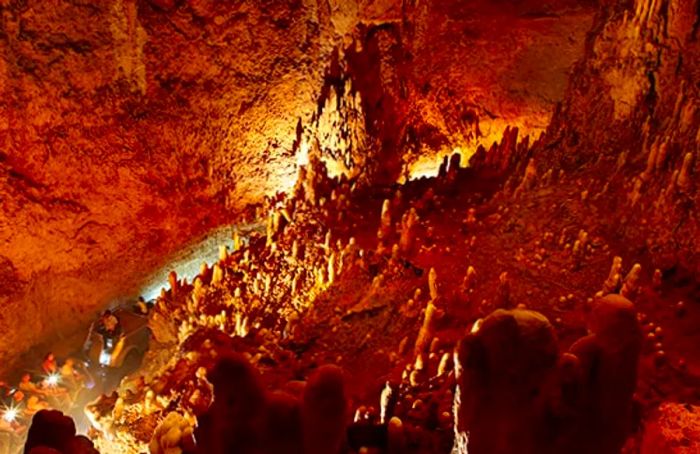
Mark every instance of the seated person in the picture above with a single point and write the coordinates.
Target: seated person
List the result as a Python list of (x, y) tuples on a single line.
[(108, 326), (35, 404), (49, 365), (141, 307), (28, 386)]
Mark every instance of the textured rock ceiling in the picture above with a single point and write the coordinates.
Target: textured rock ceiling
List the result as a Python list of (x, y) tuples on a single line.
[(127, 128)]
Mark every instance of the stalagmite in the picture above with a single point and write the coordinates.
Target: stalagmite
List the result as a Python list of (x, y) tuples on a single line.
[(198, 290), (217, 275), (614, 277), (631, 283), (409, 223), (172, 280), (384, 400), (324, 407), (241, 325), (444, 364), (236, 241), (414, 378), (320, 277), (118, 410), (419, 363), (434, 345), (432, 284), (223, 252), (529, 178), (503, 371), (385, 221), (661, 156), (469, 280), (684, 177), (327, 241), (503, 295), (149, 402), (396, 436), (268, 284), (331, 268), (622, 160), (283, 425), (256, 286), (233, 422), (395, 250), (672, 183), (608, 358), (651, 162), (295, 250), (425, 334), (636, 193)]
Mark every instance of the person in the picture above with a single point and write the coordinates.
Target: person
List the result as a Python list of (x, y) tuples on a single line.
[(49, 365), (17, 397), (28, 386), (109, 325), (5, 389), (69, 374), (34, 405), (141, 307)]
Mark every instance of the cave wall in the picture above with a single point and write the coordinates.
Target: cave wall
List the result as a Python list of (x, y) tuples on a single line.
[(438, 77), (477, 67), (128, 127), (630, 124)]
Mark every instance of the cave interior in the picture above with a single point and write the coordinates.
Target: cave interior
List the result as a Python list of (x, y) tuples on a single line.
[(350, 226)]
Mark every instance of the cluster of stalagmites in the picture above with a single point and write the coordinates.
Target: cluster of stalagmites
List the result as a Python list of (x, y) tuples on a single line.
[(515, 392), (244, 418), (574, 401), (506, 387), (338, 130), (248, 301), (276, 268)]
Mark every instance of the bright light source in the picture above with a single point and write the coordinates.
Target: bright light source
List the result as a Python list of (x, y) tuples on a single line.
[(53, 379), (105, 358), (10, 414)]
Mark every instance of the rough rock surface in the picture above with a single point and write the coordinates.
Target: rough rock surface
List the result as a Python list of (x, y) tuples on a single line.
[(129, 127), (630, 122), (675, 429)]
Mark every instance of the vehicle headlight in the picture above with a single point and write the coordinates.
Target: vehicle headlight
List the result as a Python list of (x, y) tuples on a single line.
[(105, 358)]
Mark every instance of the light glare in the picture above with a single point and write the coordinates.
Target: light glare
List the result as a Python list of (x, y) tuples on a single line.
[(10, 414), (53, 379)]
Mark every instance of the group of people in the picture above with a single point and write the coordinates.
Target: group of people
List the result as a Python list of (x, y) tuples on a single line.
[(56, 385)]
